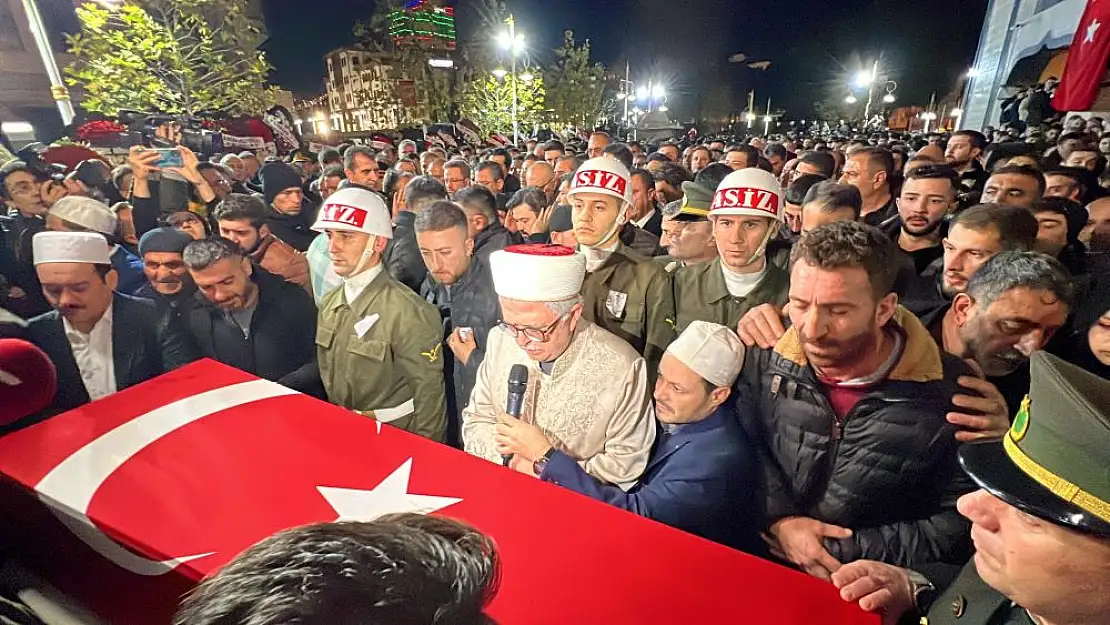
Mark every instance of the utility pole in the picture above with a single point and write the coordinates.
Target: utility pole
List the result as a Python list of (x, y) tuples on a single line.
[(871, 91), (767, 119)]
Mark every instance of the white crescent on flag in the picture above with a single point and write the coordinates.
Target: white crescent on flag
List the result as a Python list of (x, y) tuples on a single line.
[(76, 479)]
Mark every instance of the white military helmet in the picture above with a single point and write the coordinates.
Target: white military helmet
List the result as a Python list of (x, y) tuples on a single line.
[(748, 192), (603, 175), (355, 210)]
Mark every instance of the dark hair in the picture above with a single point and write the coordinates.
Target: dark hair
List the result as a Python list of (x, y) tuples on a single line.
[(621, 152), (554, 145), (440, 216), (392, 179), (831, 195), (492, 167), (673, 174), (821, 160), (1013, 269), (242, 207), (844, 244), (328, 155), (751, 154), (422, 191), (976, 138), (118, 174), (1080, 136), (532, 197), (712, 175), (880, 158), (798, 190), (478, 199), (645, 176), (349, 155), (460, 164), (1022, 170), (199, 255), (658, 157), (1015, 225), (399, 569), (334, 171), (936, 172), (775, 149)]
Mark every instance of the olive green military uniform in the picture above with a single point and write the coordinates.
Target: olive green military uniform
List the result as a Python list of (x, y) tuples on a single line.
[(700, 294), (381, 356), (969, 601), (631, 297)]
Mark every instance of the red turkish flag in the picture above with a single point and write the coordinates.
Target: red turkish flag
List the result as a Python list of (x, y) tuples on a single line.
[(176, 476), (1087, 57)]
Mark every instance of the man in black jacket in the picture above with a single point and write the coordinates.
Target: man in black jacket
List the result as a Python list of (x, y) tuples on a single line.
[(848, 412), (402, 255), (251, 319), (99, 341), (461, 286), (288, 214), (483, 224), (168, 285)]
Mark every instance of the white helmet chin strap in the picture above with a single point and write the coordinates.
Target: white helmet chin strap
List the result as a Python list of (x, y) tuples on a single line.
[(618, 223), (762, 249), (367, 253)]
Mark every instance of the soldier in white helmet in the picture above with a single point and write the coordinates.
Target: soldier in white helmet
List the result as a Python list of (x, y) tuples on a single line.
[(379, 343), (624, 292), (746, 213)]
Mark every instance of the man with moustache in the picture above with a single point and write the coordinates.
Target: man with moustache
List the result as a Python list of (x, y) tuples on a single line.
[(928, 195), (849, 411), (168, 283), (99, 341)]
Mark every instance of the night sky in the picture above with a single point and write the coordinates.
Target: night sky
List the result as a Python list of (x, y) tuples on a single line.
[(812, 44)]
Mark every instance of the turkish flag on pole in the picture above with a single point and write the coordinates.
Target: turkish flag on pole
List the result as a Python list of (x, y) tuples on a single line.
[(1090, 50)]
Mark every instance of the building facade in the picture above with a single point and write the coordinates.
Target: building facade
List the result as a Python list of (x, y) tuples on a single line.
[(361, 91)]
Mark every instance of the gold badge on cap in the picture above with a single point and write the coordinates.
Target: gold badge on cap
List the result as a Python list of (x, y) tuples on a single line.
[(1021, 422)]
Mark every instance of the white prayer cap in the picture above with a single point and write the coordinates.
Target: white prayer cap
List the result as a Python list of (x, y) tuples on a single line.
[(85, 212), (603, 175), (537, 272), (710, 350), (355, 210), (71, 247)]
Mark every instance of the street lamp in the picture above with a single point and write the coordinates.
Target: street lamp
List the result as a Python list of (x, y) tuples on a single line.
[(514, 43), (851, 99), (663, 108), (499, 73), (865, 78), (527, 77), (658, 92), (888, 98), (643, 93)]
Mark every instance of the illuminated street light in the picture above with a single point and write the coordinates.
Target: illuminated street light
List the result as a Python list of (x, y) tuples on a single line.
[(643, 93), (441, 63), (527, 77), (750, 117), (499, 73), (956, 112), (512, 42), (888, 98), (621, 95), (658, 92), (851, 99), (663, 108), (864, 78)]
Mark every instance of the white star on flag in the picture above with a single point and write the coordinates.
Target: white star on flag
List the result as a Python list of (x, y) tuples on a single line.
[(1092, 30), (390, 496)]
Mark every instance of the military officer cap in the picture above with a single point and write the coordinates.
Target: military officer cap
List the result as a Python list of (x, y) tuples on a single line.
[(696, 200), (1054, 463)]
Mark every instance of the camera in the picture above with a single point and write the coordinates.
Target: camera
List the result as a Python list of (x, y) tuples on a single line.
[(31, 154), (142, 129)]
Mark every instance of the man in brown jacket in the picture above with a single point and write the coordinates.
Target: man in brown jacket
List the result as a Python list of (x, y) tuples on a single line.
[(242, 219)]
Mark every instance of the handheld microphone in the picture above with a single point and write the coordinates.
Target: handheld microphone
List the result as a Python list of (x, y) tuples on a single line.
[(27, 380), (514, 403)]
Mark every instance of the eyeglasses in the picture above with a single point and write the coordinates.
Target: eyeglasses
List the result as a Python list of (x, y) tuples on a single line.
[(535, 335)]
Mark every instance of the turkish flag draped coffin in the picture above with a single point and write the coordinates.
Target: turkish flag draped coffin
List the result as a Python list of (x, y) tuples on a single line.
[(1087, 57), (127, 502)]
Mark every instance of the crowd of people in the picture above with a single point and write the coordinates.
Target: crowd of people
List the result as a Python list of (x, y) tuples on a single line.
[(811, 348)]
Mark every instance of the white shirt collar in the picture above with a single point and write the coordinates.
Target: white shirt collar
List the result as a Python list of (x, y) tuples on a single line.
[(354, 286), (646, 218), (94, 355)]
